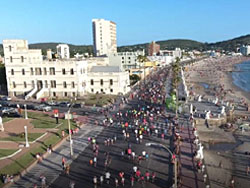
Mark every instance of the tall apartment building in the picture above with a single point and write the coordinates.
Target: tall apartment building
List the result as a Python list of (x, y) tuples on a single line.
[(104, 37), (153, 48)]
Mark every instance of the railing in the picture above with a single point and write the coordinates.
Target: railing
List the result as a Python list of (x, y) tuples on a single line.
[(30, 94), (41, 92)]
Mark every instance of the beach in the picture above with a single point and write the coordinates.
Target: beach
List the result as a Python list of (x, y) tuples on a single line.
[(212, 78)]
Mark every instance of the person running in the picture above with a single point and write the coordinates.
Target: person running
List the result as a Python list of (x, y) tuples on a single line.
[(116, 182), (95, 181), (147, 174), (101, 180), (43, 181), (71, 184), (132, 180), (107, 176), (153, 176), (95, 161)]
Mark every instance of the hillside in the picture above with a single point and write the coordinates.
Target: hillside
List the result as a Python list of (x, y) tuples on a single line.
[(231, 45), (228, 45), (168, 45)]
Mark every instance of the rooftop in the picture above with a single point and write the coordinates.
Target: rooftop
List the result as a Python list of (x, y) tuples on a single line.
[(105, 69)]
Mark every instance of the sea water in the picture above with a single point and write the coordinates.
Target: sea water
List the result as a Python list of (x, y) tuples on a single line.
[(241, 77)]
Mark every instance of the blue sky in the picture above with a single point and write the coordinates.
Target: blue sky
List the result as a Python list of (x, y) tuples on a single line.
[(138, 21)]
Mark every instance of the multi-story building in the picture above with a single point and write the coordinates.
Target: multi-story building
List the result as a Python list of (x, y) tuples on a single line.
[(153, 48), (29, 75), (108, 80), (104, 37), (126, 60), (63, 51), (245, 50)]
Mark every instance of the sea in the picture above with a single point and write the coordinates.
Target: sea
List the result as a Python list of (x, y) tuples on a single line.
[(241, 76)]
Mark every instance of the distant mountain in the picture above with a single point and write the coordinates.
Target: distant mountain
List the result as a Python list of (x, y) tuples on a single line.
[(228, 45)]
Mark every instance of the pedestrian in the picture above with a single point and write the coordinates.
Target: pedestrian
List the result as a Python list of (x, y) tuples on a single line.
[(67, 169), (71, 184), (116, 182), (91, 162), (153, 176), (232, 182), (95, 161), (63, 163), (95, 181), (147, 174), (123, 181), (107, 176), (43, 181), (132, 179), (247, 169), (101, 180)]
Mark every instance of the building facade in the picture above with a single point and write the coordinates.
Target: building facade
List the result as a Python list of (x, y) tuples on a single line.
[(153, 48), (108, 80), (63, 51), (30, 76), (126, 60), (245, 50), (104, 37)]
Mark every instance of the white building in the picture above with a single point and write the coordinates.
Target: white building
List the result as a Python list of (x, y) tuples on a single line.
[(28, 75), (63, 51), (161, 60), (104, 37), (126, 60), (108, 80), (177, 53), (245, 50)]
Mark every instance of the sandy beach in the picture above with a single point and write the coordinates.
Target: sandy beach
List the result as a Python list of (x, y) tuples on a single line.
[(212, 78)]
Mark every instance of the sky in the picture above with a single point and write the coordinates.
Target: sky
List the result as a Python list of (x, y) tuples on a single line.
[(138, 21)]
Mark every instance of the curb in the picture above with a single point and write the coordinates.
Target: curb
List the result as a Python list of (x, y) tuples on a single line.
[(16, 178), (11, 155)]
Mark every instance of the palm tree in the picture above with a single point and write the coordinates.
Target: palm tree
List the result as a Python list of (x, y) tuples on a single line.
[(142, 59), (176, 80)]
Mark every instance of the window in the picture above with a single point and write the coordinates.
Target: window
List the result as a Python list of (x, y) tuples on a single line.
[(122, 61), (63, 71), (73, 94), (11, 59), (128, 61), (54, 94), (31, 71), (111, 81), (101, 82), (14, 85), (44, 71), (111, 90), (92, 90), (128, 57), (12, 71), (38, 71), (92, 82), (65, 94), (53, 83), (73, 84), (22, 59), (33, 84), (102, 90), (52, 71), (24, 84), (71, 71), (122, 57), (64, 84), (46, 84), (10, 48)]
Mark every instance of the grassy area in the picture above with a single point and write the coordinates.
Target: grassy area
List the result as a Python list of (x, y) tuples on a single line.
[(25, 160), (21, 137), (6, 152), (41, 120), (99, 99), (5, 119)]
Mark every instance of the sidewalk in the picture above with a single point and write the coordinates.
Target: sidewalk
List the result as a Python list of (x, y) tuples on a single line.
[(189, 174)]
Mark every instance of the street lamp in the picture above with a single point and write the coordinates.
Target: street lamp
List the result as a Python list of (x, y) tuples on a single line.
[(25, 111), (1, 124), (171, 153), (26, 137)]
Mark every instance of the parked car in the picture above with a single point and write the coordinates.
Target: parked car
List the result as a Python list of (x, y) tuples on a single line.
[(30, 107), (4, 103), (11, 114), (7, 110), (43, 107), (64, 104), (5, 98), (77, 105), (52, 103)]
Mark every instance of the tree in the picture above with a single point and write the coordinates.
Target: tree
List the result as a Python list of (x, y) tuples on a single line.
[(176, 80)]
